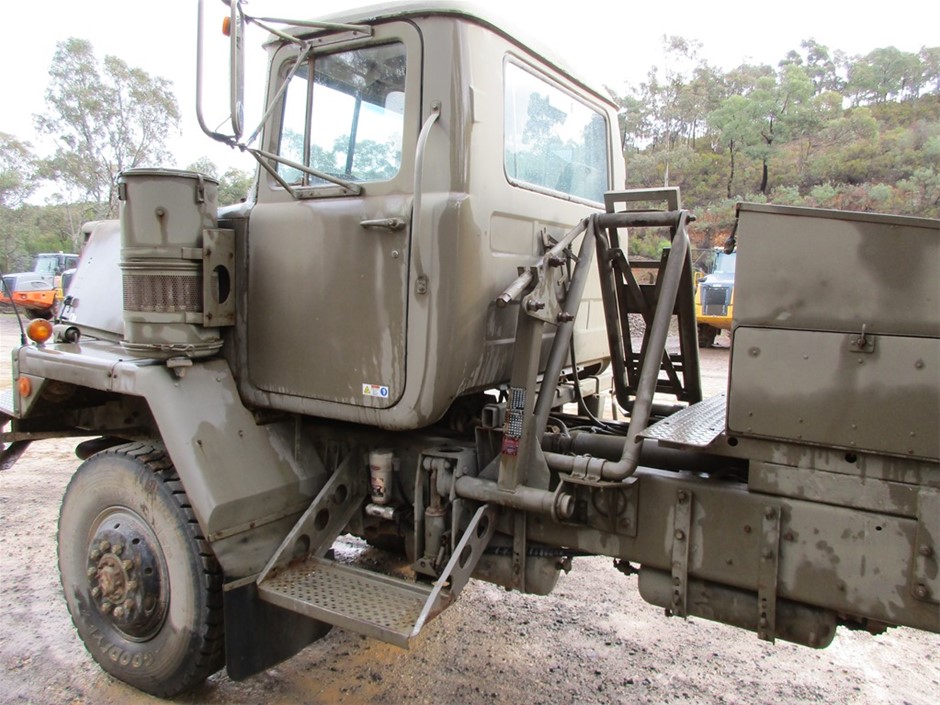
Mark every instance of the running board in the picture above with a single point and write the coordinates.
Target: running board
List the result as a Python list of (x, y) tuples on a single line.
[(376, 605)]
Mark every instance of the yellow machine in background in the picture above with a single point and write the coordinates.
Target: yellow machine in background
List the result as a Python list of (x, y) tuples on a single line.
[(714, 299)]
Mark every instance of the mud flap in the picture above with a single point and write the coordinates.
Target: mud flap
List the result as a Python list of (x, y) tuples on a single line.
[(259, 635)]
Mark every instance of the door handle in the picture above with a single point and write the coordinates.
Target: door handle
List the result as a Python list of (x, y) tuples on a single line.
[(392, 224)]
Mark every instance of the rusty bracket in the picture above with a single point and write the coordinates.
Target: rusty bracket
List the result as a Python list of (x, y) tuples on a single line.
[(767, 572), (681, 538)]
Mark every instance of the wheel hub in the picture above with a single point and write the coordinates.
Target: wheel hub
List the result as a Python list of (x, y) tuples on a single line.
[(127, 576)]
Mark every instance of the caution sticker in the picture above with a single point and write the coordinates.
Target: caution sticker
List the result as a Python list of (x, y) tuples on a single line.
[(375, 390)]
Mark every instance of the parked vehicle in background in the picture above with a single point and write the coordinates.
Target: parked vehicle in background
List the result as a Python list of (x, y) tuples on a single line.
[(714, 298), (40, 290)]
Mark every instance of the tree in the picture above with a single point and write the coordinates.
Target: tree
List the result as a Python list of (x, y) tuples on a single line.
[(776, 107), (233, 184), (819, 65), (17, 171), (17, 182), (884, 74), (736, 127), (105, 117)]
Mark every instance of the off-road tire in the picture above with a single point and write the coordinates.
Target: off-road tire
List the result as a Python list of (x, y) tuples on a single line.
[(167, 636)]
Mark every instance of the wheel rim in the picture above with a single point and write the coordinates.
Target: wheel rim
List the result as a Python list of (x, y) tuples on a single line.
[(127, 574)]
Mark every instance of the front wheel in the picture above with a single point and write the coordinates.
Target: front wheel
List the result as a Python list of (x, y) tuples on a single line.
[(141, 583)]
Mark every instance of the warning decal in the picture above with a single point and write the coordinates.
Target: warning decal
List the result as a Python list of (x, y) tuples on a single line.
[(375, 390)]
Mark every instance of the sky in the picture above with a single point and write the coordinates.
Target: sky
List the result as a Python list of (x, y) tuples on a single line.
[(609, 42)]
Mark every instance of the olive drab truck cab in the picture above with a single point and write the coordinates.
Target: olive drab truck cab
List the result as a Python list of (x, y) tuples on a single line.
[(403, 335)]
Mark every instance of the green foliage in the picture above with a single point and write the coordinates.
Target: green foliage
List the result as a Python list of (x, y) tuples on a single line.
[(105, 117), (234, 184), (822, 129)]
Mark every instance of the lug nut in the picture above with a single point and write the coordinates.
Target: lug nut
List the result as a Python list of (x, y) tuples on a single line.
[(105, 546), (118, 549), (119, 612), (128, 565), (131, 585), (95, 554), (92, 572), (106, 607), (96, 592)]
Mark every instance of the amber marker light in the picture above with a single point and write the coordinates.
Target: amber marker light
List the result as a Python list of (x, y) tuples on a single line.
[(24, 386), (39, 330), (227, 26)]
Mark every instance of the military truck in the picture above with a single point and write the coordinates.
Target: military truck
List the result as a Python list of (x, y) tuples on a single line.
[(398, 336)]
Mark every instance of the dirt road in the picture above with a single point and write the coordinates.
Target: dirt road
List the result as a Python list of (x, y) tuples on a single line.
[(592, 641)]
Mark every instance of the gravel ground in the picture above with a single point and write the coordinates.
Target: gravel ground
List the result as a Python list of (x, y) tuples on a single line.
[(592, 641)]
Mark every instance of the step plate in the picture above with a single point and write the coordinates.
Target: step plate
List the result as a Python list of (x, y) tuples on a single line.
[(376, 605), (6, 404), (695, 426)]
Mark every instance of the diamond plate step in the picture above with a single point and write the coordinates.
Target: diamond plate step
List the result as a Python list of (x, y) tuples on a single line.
[(368, 603), (6, 405), (377, 605), (695, 426)]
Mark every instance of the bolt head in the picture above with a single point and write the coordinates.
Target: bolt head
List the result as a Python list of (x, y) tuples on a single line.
[(92, 572), (131, 585), (119, 612), (96, 592), (921, 592), (680, 535), (105, 546), (117, 549), (127, 565), (95, 554), (106, 607)]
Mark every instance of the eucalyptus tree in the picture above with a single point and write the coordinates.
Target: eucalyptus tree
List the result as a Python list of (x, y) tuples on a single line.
[(104, 117)]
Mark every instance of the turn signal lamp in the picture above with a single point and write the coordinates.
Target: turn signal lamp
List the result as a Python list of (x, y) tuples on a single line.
[(227, 26), (24, 386), (39, 330)]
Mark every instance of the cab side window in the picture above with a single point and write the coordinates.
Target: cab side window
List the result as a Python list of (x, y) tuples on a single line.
[(553, 140), (343, 115)]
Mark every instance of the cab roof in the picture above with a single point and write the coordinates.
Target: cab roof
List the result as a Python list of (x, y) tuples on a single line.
[(519, 36)]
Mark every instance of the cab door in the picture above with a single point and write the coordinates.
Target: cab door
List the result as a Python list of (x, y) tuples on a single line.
[(328, 260)]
